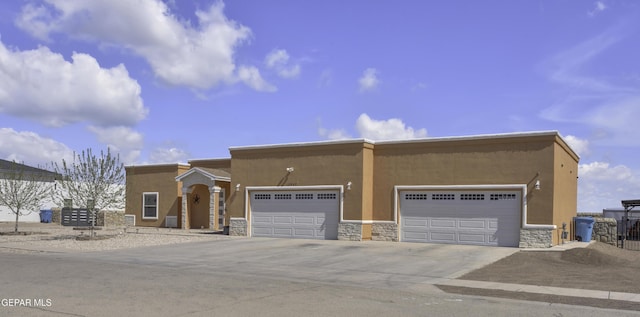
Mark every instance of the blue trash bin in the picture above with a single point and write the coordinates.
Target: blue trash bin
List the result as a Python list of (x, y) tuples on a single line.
[(584, 228), (45, 215)]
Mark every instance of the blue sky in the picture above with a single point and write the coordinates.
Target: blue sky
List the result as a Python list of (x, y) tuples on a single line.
[(163, 82)]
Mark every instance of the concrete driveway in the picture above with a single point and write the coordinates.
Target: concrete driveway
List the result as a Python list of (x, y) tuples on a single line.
[(370, 264), (260, 277)]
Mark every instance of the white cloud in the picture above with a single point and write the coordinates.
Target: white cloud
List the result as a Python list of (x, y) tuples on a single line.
[(31, 148), (391, 129), (168, 155), (335, 134), (580, 146), (251, 77), (199, 55), (41, 85), (122, 140), (367, 128), (603, 186), (369, 80), (278, 60), (599, 6)]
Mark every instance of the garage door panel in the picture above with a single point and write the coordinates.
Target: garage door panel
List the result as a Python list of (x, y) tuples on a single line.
[(461, 216), (416, 235), (443, 237), (473, 223), (412, 222), (261, 219), (263, 231), (295, 214), (309, 233), (306, 220), (282, 232), (438, 223), (473, 238), (277, 220)]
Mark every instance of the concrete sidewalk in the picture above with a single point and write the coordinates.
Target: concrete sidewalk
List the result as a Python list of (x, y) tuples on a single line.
[(547, 290)]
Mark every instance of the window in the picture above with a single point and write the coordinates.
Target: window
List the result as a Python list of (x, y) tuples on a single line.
[(503, 196), (281, 196), (443, 196), (304, 196), (149, 205), (471, 196), (327, 196), (262, 196), (416, 196)]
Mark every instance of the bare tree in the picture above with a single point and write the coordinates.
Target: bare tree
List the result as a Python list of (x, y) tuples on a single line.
[(92, 182), (24, 189)]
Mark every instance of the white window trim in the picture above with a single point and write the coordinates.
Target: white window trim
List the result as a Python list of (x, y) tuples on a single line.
[(157, 205)]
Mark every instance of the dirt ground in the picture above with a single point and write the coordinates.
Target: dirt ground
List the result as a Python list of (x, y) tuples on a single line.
[(598, 267)]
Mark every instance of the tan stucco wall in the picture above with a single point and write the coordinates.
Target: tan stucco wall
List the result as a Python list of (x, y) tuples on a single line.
[(565, 188), (374, 170), (367, 189), (323, 164), (515, 160), (154, 178), (221, 164)]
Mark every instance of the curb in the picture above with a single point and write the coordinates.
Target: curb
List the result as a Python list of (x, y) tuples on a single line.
[(547, 290)]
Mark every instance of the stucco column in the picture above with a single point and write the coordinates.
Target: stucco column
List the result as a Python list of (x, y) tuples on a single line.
[(185, 208), (213, 207)]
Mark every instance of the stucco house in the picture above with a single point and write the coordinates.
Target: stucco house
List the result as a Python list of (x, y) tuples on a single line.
[(10, 170), (515, 189)]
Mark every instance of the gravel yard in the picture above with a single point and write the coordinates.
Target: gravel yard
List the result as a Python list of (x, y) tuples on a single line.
[(42, 237)]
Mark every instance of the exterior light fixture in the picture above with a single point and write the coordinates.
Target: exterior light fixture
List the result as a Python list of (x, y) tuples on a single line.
[(237, 187), (349, 186), (537, 185), (289, 169)]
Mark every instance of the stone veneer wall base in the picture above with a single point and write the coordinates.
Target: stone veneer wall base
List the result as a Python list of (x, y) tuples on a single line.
[(384, 231), (536, 238), (110, 218), (238, 227), (350, 231)]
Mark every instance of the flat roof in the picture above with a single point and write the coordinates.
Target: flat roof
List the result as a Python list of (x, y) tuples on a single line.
[(300, 144), (219, 159), (158, 165), (403, 141), (363, 140)]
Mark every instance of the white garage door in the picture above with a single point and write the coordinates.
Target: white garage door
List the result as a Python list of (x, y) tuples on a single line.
[(461, 217), (295, 214)]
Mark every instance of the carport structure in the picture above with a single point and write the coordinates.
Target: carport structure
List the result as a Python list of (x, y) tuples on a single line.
[(630, 225)]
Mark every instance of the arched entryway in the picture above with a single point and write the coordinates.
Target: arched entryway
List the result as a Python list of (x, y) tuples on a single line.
[(203, 198)]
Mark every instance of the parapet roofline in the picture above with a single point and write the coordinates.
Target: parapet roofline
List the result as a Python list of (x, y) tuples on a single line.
[(301, 144), (158, 165), (210, 159), (419, 140)]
